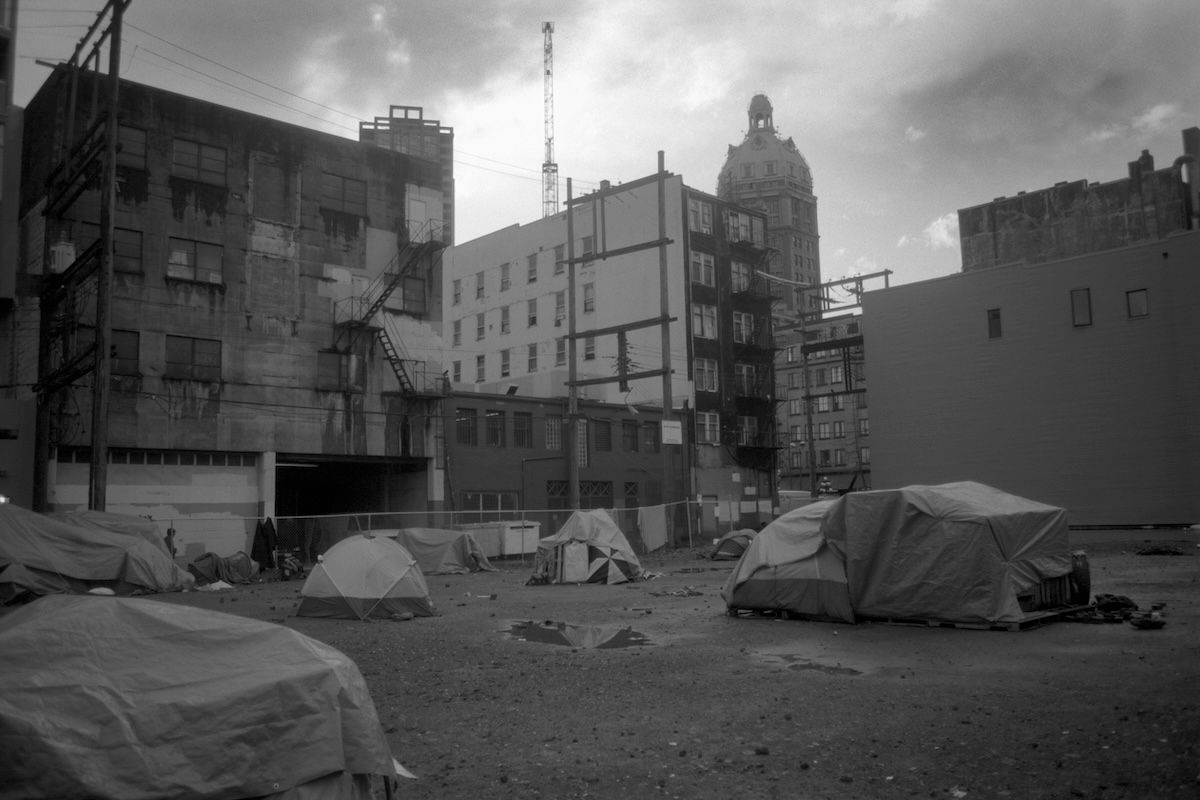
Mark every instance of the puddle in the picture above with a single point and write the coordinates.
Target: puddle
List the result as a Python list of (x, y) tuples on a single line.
[(800, 663), (588, 637)]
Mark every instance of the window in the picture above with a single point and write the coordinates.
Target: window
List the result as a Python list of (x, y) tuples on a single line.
[(456, 292), (589, 298), (456, 336), (589, 348), (651, 441), (795, 379), (824, 459), (198, 162), (1081, 307), (706, 374), (346, 195), (480, 503), (505, 324), (747, 430), (772, 207), (743, 327), (560, 307), (127, 251), (796, 434), (560, 351), (505, 277), (741, 227), (837, 375), (589, 246), (789, 354), (839, 429), (131, 147), (581, 443), (194, 261), (522, 429), (531, 363), (708, 427), (747, 170), (864, 455), (339, 372), (740, 276), (480, 365), (456, 372), (629, 436), (493, 422), (864, 426), (479, 285), (466, 423), (505, 362), (1137, 303), (193, 359), (479, 326), (796, 406), (531, 313), (744, 378), (703, 269), (993, 321), (839, 457), (704, 321), (554, 426), (560, 264), (603, 435), (531, 268), (631, 494), (771, 167), (124, 348), (823, 430), (699, 216)]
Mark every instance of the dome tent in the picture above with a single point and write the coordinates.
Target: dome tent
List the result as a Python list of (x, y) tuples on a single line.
[(365, 576), (731, 546)]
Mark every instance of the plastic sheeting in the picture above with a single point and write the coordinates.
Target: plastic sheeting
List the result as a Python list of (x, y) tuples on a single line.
[(611, 558), (138, 699), (443, 552)]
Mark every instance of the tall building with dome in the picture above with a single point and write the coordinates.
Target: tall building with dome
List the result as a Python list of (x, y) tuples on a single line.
[(768, 172)]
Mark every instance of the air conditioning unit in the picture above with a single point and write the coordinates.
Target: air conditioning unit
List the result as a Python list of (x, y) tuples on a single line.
[(62, 256)]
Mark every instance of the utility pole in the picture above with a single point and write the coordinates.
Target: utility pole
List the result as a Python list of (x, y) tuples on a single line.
[(572, 369)]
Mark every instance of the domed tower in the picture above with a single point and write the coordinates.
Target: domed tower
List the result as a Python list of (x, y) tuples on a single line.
[(769, 173)]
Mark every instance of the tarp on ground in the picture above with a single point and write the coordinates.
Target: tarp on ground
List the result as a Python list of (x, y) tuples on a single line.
[(365, 576), (117, 523), (959, 552), (40, 555), (237, 568), (588, 548), (165, 700), (443, 552), (789, 567)]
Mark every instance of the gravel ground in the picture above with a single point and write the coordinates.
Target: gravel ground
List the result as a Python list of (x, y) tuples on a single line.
[(703, 705)]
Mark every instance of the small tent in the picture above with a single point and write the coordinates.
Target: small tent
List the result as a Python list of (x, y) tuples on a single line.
[(588, 548), (148, 699), (443, 552), (789, 567), (956, 552), (365, 576), (41, 555), (731, 546)]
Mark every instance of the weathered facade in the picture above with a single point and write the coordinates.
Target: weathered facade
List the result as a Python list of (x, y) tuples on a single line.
[(1076, 217), (524, 302), (274, 316)]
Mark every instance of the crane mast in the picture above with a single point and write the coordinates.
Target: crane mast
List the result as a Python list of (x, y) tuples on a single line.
[(549, 168)]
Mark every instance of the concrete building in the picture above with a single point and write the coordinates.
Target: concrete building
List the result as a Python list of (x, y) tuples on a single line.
[(1073, 382), (1076, 217), (275, 308), (405, 130), (530, 310)]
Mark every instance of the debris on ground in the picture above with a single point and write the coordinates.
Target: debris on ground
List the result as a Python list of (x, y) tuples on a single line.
[(686, 591), (1161, 550)]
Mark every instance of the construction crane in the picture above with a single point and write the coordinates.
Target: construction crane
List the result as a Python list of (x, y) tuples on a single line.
[(549, 168)]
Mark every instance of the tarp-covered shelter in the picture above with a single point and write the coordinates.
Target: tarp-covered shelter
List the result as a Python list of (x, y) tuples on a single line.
[(588, 548), (149, 700), (117, 523), (365, 576), (959, 552), (788, 567), (731, 546), (443, 552), (41, 555)]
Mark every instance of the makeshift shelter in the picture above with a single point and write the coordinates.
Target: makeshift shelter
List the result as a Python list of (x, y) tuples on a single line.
[(789, 568), (733, 544), (443, 552), (365, 576), (116, 523), (957, 552), (41, 555), (237, 568), (588, 548), (179, 702)]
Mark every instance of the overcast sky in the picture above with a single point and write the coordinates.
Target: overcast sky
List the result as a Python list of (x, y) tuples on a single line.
[(906, 110)]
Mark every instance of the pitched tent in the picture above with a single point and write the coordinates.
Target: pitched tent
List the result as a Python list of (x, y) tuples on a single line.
[(958, 552), (365, 576), (443, 552), (588, 548), (789, 567), (117, 523), (105, 722), (732, 545), (40, 555)]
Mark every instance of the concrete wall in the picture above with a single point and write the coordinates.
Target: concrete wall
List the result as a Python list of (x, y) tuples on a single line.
[(1101, 419)]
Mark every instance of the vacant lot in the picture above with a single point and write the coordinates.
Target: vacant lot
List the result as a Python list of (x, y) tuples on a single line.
[(716, 707)]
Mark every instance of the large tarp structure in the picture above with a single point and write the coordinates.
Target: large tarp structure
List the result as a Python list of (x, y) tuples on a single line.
[(148, 700), (789, 567), (365, 576), (958, 552), (588, 548), (117, 523), (41, 555), (443, 552)]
